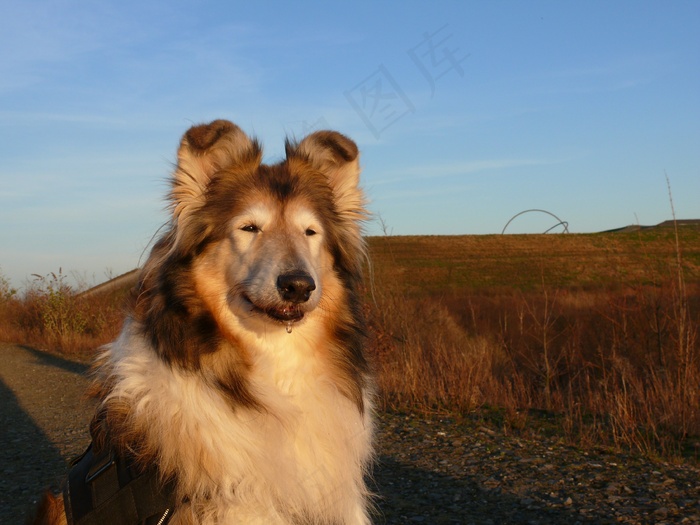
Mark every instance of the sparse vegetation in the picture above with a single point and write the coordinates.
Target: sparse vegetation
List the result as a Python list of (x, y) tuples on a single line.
[(52, 315), (592, 337)]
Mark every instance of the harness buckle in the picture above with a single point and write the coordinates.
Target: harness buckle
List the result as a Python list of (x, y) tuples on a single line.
[(107, 461)]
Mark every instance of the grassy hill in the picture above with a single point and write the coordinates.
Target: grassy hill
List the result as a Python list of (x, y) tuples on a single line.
[(439, 263), (525, 262)]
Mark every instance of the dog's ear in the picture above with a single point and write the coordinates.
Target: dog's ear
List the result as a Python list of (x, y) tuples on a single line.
[(205, 150), (337, 157)]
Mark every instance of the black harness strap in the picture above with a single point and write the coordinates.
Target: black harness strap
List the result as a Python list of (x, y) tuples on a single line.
[(103, 489)]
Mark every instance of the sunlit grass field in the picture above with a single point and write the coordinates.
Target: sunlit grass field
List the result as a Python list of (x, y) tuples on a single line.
[(594, 337), (591, 337)]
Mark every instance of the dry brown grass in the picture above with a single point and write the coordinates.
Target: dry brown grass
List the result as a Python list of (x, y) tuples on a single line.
[(594, 337), (626, 372), (51, 315), (614, 360)]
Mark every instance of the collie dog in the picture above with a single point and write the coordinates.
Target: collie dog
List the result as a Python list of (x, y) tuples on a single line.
[(240, 374)]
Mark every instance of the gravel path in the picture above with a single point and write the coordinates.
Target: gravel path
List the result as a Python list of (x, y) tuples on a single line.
[(44, 420), (430, 471)]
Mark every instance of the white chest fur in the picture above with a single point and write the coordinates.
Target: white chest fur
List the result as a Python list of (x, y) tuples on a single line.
[(303, 456)]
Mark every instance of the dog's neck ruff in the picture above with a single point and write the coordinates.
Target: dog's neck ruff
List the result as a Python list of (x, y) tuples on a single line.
[(274, 465), (104, 489)]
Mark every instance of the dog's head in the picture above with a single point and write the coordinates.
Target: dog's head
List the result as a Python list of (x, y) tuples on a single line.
[(270, 238)]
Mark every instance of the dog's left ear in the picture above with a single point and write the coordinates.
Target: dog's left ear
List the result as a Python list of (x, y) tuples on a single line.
[(337, 157)]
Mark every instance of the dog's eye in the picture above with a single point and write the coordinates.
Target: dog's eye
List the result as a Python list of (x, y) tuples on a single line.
[(309, 232), (251, 228)]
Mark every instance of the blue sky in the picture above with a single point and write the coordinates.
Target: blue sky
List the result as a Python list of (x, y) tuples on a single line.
[(466, 113)]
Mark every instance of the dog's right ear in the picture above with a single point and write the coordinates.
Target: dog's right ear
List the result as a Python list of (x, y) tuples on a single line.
[(205, 150)]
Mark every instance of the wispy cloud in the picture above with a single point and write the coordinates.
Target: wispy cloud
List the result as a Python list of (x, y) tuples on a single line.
[(31, 118), (612, 74), (143, 46), (438, 171), (54, 33), (613, 66), (420, 193)]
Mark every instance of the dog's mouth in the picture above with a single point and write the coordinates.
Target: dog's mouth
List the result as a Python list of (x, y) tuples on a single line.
[(285, 313)]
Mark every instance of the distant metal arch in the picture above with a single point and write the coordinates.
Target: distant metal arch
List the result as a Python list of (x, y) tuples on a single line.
[(560, 223)]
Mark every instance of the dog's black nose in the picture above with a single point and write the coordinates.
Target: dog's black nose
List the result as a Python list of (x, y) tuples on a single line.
[(295, 287)]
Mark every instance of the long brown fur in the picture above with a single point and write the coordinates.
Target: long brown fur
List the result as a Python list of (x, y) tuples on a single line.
[(191, 326), (50, 511)]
